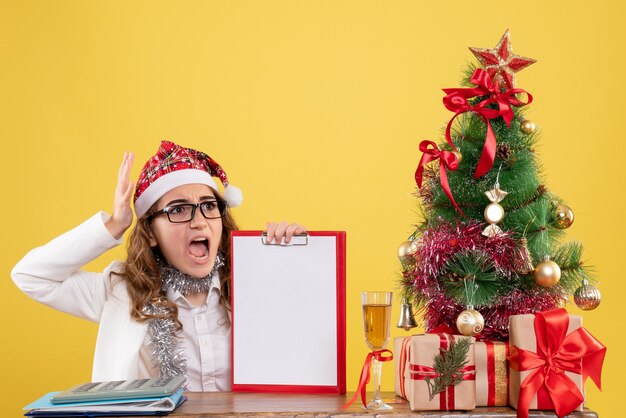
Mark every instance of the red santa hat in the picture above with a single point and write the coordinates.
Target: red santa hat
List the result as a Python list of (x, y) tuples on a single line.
[(174, 166)]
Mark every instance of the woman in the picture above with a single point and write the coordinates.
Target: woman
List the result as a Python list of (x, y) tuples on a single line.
[(164, 311)]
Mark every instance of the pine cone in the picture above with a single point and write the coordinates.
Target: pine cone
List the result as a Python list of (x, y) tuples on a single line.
[(503, 152)]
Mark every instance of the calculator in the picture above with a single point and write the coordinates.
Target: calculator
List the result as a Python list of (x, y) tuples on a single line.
[(120, 389)]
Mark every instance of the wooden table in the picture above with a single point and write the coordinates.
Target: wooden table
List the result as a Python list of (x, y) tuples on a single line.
[(242, 405)]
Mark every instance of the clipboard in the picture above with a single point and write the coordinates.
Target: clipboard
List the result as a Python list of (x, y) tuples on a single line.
[(288, 313)]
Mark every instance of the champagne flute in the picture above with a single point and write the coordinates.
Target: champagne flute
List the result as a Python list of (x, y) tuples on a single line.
[(376, 323)]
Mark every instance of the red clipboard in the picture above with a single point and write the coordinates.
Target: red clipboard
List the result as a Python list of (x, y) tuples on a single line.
[(288, 313)]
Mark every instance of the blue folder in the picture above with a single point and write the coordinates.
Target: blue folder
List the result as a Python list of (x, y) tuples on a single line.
[(163, 405)]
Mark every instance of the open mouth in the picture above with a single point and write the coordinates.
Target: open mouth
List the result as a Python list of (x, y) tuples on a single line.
[(199, 249)]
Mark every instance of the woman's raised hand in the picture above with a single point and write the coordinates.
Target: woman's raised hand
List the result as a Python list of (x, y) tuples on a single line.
[(122, 216)]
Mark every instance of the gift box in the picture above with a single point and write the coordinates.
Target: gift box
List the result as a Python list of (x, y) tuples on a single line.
[(492, 373), (401, 361), (423, 377), (550, 356)]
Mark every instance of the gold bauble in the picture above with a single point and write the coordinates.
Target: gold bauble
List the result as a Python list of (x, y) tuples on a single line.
[(406, 250), (494, 213), (587, 297), (527, 126), (459, 156), (563, 216), (470, 322), (547, 273)]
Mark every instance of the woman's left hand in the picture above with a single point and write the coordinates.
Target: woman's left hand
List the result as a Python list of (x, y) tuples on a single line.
[(277, 231)]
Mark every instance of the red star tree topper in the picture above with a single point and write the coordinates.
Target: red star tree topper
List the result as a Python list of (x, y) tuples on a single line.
[(501, 63)]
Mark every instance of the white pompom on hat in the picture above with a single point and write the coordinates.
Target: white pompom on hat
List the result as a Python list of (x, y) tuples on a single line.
[(174, 166)]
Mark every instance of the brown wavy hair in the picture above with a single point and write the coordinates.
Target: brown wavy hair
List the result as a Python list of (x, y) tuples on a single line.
[(142, 276)]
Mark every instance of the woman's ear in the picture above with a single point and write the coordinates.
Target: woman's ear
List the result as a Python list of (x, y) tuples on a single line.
[(151, 238)]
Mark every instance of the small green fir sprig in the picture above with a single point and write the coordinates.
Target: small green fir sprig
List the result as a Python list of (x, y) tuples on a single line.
[(448, 364)]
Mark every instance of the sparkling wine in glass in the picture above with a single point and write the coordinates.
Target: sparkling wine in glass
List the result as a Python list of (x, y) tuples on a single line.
[(376, 323)]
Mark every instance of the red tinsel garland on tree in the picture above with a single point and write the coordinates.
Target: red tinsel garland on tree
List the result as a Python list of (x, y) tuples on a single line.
[(439, 244)]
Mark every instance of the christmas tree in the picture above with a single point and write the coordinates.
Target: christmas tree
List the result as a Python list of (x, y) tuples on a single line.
[(491, 241)]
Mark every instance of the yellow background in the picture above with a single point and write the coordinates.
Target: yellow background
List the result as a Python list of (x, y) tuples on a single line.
[(315, 109)]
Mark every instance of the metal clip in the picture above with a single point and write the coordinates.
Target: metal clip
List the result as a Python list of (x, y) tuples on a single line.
[(296, 239)]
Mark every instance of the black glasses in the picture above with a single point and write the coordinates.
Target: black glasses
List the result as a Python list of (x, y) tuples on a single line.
[(184, 212)]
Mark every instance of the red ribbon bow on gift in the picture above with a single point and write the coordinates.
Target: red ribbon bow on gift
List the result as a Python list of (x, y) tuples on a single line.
[(447, 160), (456, 100), (364, 379), (578, 352)]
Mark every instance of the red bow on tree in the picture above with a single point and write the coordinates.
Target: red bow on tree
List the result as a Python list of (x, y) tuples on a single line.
[(578, 352), (456, 100), (447, 161)]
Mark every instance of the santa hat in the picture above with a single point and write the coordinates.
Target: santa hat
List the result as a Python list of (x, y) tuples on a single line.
[(174, 166)]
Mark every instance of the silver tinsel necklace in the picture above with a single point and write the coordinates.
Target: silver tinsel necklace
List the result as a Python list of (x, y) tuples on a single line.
[(166, 351)]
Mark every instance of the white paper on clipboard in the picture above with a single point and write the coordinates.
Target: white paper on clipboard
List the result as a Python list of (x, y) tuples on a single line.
[(288, 313)]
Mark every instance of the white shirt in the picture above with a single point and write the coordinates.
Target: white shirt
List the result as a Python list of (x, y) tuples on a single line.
[(205, 342)]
